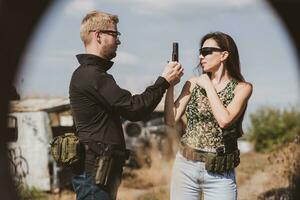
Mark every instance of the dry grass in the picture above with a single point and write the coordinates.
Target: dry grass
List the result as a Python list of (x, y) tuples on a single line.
[(148, 183), (276, 178), (258, 176), (250, 164), (153, 183), (286, 171), (64, 195)]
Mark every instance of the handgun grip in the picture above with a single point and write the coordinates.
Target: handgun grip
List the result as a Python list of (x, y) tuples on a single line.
[(175, 54)]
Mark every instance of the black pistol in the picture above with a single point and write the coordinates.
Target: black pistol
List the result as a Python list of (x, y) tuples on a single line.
[(175, 54)]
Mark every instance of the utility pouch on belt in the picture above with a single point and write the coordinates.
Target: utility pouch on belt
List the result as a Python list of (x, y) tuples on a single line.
[(65, 149), (219, 161), (104, 166), (222, 163)]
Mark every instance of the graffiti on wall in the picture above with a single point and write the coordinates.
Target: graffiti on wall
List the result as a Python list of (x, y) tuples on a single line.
[(18, 163)]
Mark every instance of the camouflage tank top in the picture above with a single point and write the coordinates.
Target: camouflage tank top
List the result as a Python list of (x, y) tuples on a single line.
[(203, 131)]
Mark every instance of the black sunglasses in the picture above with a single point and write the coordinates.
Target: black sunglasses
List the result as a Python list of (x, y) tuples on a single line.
[(109, 32), (208, 50)]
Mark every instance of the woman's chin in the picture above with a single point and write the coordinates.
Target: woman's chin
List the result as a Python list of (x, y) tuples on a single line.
[(204, 70)]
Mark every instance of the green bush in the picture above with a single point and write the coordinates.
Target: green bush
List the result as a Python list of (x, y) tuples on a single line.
[(272, 127), (26, 193)]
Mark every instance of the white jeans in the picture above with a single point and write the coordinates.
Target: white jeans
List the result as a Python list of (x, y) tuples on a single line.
[(190, 179)]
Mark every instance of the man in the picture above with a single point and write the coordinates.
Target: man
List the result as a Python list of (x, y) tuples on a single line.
[(97, 103)]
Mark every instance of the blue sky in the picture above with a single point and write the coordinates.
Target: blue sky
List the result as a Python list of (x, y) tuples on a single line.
[(148, 29)]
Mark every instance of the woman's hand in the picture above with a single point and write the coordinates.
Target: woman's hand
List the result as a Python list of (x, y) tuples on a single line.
[(203, 81)]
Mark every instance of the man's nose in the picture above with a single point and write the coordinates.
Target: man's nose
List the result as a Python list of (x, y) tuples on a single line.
[(118, 41)]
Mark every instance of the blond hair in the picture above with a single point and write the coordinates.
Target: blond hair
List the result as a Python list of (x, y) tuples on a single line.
[(95, 21)]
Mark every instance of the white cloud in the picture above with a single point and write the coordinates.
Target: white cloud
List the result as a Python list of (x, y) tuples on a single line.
[(136, 83), (158, 6), (125, 58), (79, 6)]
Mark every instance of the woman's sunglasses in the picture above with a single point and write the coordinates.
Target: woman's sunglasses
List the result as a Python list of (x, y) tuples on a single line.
[(208, 50)]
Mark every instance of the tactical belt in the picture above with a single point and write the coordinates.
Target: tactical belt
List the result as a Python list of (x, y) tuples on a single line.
[(193, 154), (219, 162), (116, 152)]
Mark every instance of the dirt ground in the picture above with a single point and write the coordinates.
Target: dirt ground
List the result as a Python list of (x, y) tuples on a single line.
[(255, 175), (153, 183)]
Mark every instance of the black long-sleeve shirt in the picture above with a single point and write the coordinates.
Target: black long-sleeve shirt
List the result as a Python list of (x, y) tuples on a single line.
[(97, 102)]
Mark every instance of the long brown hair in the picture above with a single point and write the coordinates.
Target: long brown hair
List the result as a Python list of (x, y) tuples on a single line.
[(226, 43), (232, 63)]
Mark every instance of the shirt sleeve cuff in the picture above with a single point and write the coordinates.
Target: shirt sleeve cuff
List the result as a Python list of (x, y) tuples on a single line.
[(163, 82)]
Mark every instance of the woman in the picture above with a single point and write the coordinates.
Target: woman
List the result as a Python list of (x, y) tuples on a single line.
[(214, 104)]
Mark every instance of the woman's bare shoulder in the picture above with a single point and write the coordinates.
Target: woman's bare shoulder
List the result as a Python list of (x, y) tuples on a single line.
[(244, 87), (193, 79), (190, 84)]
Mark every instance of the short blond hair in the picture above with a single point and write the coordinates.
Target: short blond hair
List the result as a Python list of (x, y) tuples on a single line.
[(95, 20)]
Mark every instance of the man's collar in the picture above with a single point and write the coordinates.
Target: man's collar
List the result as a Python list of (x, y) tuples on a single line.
[(90, 59)]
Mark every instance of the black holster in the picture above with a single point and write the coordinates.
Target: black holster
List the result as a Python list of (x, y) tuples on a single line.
[(108, 158), (103, 167)]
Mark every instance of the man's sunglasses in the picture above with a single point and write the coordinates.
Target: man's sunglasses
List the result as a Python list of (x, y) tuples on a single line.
[(208, 50), (109, 32)]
